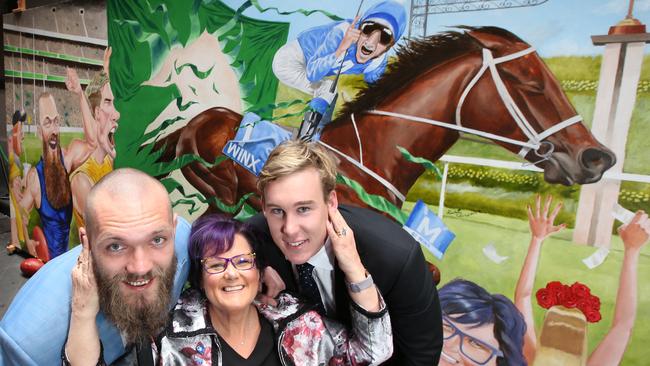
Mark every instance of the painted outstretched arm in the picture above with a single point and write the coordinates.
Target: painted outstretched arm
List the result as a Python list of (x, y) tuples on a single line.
[(83, 346), (611, 349), (89, 123), (541, 226)]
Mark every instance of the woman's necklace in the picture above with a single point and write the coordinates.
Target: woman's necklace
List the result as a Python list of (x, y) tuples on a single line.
[(253, 325)]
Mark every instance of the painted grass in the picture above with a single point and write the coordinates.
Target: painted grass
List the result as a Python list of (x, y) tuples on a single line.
[(560, 260)]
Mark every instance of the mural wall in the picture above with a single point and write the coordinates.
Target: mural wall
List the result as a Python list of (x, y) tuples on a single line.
[(183, 90)]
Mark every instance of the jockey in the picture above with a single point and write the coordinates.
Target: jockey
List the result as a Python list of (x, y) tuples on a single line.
[(320, 52)]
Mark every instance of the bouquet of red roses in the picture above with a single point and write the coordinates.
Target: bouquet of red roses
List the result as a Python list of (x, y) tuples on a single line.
[(577, 296)]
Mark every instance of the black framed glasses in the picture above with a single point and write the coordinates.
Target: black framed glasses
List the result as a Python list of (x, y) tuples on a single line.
[(242, 262), (385, 37), (473, 348)]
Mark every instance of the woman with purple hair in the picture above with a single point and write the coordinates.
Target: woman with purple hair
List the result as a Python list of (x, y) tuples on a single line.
[(479, 328), (218, 322)]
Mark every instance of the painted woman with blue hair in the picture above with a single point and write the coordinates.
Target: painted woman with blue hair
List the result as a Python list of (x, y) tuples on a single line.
[(479, 328), (356, 47)]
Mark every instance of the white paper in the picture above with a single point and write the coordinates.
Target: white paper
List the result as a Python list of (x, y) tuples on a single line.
[(597, 258), (491, 252), (622, 214)]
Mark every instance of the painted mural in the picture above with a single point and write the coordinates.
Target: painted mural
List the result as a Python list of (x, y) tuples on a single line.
[(501, 135)]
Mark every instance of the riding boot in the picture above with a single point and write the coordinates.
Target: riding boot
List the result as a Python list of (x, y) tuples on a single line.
[(309, 125)]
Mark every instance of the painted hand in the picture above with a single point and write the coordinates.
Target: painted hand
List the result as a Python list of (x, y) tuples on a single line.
[(635, 234), (72, 81), (541, 224), (351, 37), (107, 58), (344, 246)]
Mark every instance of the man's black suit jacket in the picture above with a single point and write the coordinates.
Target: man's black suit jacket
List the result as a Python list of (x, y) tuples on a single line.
[(398, 268)]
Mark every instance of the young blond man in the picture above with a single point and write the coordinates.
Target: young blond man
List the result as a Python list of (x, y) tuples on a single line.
[(351, 252)]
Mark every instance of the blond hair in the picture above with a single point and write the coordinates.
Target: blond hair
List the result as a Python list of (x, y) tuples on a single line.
[(294, 156), (94, 90)]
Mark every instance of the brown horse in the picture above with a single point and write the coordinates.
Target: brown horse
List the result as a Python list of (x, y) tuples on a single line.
[(483, 79)]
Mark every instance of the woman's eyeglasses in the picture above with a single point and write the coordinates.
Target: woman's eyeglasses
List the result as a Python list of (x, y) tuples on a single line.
[(385, 37), (472, 348), (242, 262)]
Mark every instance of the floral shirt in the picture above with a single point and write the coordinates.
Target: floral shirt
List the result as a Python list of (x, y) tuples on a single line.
[(303, 336)]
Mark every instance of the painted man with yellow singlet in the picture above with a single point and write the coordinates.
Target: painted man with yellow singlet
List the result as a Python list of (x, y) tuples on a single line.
[(19, 233), (97, 108)]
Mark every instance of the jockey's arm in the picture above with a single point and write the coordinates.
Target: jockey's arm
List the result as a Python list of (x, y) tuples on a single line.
[(324, 59)]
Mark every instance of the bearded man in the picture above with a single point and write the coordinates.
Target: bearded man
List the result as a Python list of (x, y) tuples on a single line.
[(47, 185), (138, 249)]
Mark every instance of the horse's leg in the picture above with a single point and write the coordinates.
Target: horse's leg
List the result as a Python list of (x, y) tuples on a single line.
[(205, 135)]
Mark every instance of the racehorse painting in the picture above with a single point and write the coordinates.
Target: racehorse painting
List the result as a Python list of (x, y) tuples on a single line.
[(483, 81)]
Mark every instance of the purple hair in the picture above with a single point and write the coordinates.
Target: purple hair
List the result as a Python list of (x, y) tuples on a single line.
[(213, 235)]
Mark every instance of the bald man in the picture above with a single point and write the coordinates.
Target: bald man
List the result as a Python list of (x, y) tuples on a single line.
[(47, 185), (129, 213)]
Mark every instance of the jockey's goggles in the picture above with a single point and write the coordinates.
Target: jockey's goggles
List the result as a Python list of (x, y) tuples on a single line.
[(385, 37)]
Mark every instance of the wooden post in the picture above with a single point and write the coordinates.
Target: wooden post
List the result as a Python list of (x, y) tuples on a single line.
[(615, 100)]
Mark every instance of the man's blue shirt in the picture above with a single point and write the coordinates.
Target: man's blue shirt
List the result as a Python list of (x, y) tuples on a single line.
[(35, 327)]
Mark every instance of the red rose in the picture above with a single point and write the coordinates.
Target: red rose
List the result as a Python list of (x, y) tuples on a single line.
[(593, 316), (554, 288), (580, 290), (594, 302), (583, 305), (544, 298), (568, 298)]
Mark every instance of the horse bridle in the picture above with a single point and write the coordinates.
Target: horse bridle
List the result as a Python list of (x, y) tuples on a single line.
[(535, 140)]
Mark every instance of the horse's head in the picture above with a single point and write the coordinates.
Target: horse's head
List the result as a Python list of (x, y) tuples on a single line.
[(526, 103)]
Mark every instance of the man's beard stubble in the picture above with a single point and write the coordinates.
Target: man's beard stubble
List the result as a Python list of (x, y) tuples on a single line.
[(57, 185), (137, 319)]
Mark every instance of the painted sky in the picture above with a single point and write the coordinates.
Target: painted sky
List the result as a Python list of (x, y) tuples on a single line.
[(555, 28)]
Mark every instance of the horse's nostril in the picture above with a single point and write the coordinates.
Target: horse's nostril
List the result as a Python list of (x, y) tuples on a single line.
[(597, 159)]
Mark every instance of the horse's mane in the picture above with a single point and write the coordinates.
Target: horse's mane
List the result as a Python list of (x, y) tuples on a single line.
[(415, 57)]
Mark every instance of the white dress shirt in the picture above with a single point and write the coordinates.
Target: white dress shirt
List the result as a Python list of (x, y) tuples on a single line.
[(323, 262)]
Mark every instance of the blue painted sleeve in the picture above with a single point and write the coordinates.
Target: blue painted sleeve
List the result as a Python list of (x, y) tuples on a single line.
[(324, 59)]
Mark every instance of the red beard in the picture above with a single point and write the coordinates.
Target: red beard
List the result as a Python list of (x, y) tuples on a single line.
[(57, 184)]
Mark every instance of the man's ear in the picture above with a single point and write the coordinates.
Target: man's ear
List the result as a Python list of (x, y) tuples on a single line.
[(83, 236), (263, 206), (174, 222), (332, 199)]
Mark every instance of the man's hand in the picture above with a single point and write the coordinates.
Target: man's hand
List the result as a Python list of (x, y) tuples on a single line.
[(72, 81), (85, 299), (541, 224), (344, 246), (274, 285), (351, 37), (635, 234)]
